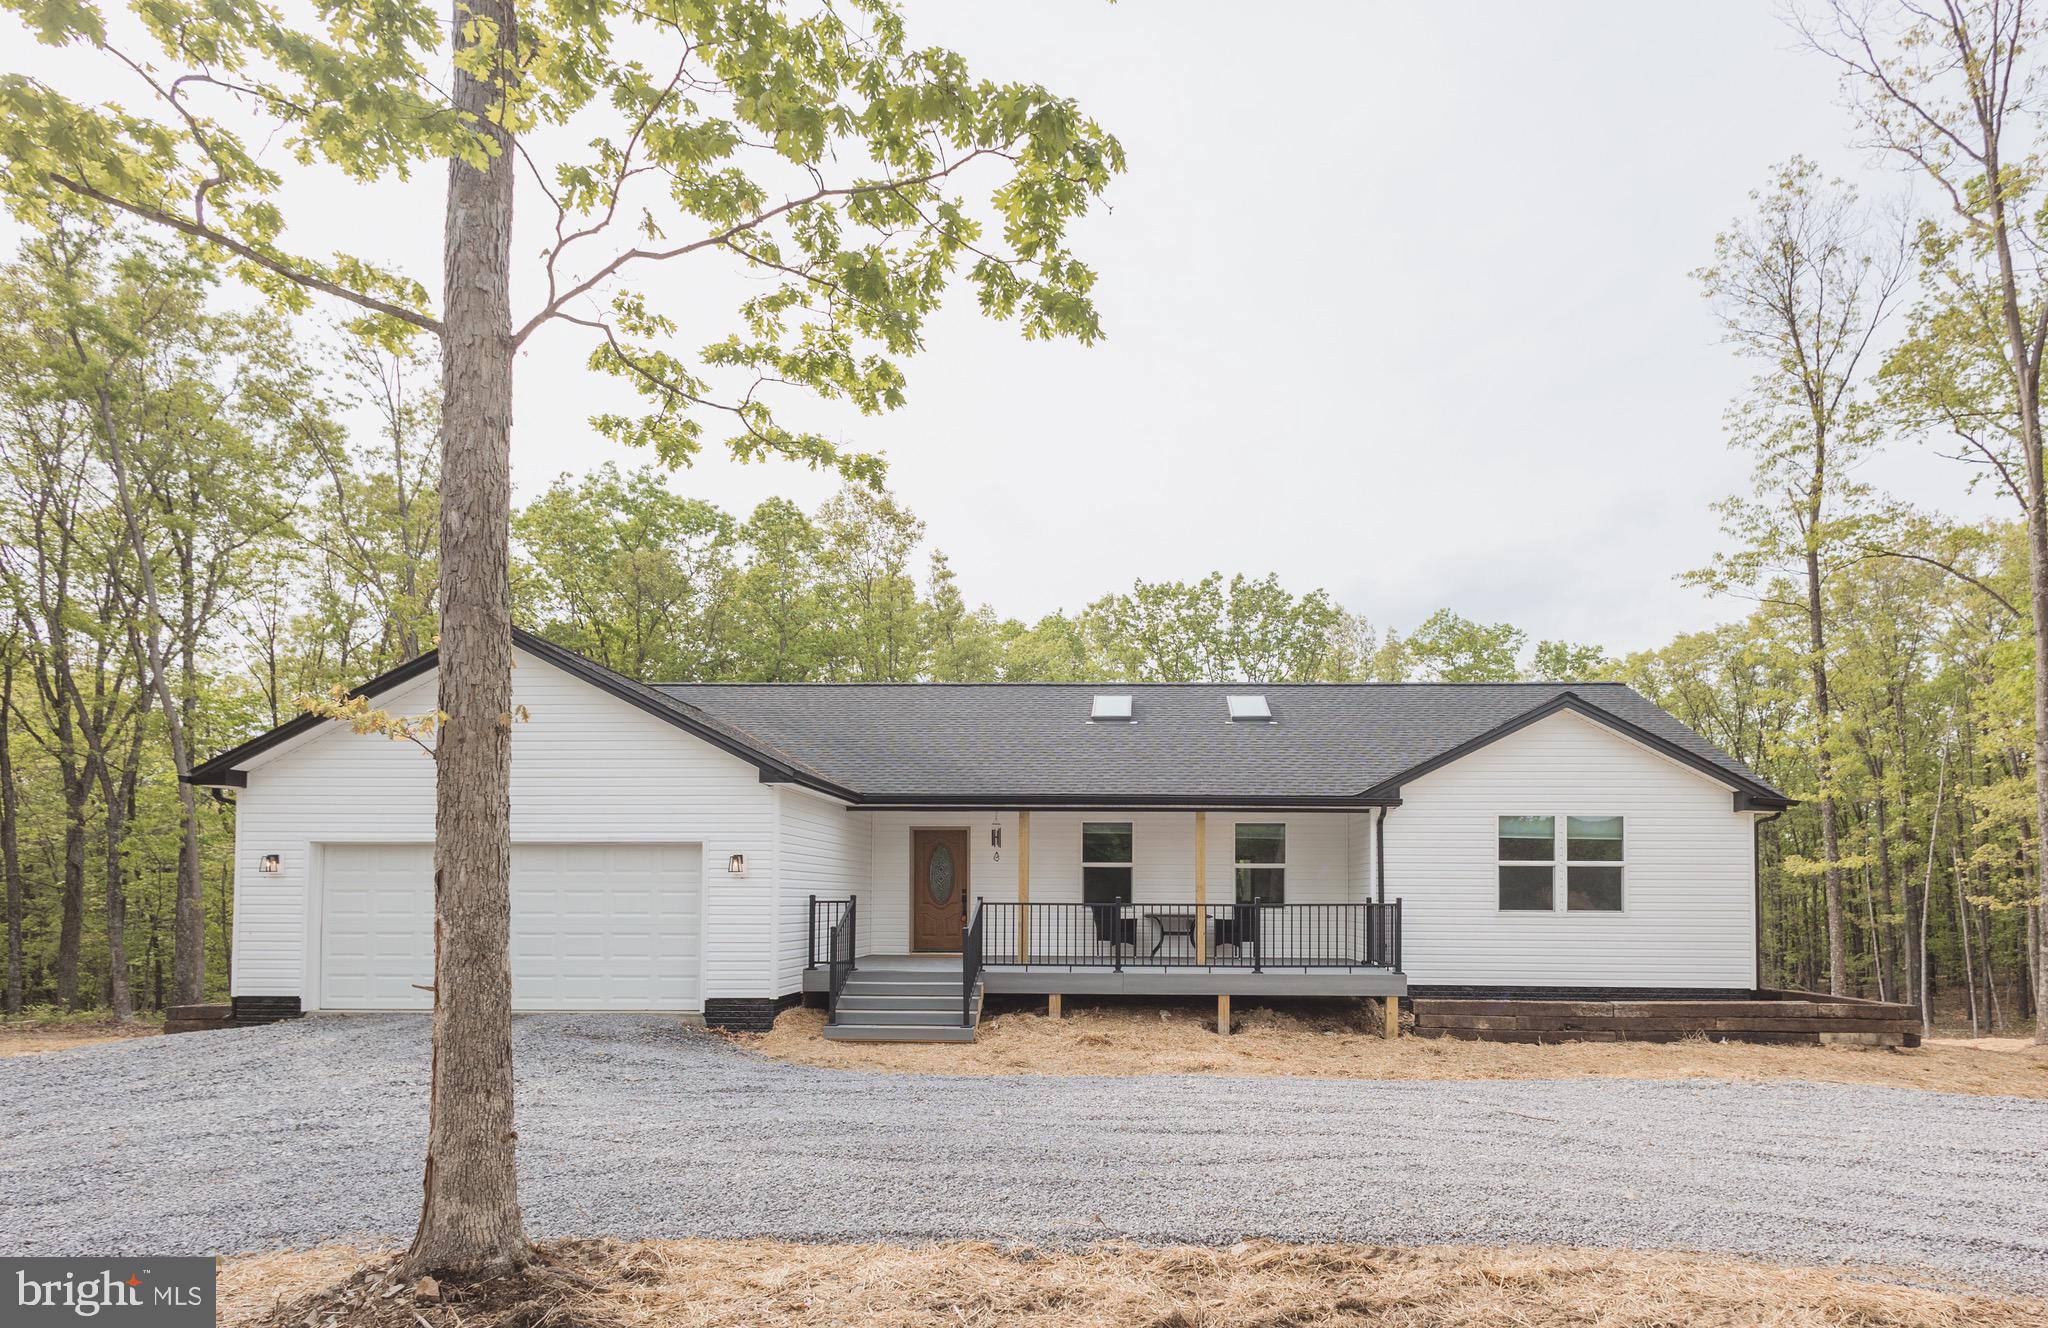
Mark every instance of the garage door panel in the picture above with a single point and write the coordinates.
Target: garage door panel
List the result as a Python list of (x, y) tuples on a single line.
[(611, 926)]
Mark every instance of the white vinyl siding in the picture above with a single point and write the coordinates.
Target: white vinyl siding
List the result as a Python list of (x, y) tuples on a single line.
[(586, 768), (824, 853), (1689, 901), (1319, 870)]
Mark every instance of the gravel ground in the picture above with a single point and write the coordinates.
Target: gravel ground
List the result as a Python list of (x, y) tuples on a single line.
[(632, 1126)]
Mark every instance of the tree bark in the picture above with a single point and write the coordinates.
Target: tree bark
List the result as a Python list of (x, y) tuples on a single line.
[(1830, 831), (1924, 989), (2026, 370), (188, 931), (1963, 939), (10, 843), (119, 793), (470, 1222), (1887, 937), (71, 926)]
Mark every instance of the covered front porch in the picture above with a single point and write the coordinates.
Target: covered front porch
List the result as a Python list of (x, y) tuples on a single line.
[(1203, 903)]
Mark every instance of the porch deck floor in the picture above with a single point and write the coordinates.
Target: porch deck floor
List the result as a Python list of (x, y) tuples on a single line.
[(1142, 979)]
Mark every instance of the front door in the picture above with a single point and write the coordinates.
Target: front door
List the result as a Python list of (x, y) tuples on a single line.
[(938, 888)]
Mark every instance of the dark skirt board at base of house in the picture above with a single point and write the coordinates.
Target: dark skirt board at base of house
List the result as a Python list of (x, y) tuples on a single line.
[(1766, 1016), (746, 1014), (743, 1015), (241, 1012)]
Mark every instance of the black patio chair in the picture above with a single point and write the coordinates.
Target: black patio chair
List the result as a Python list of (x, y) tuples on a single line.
[(1113, 929), (1240, 929)]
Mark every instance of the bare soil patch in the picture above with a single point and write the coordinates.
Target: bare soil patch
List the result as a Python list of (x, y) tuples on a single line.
[(30, 1038), (774, 1284), (1333, 1041)]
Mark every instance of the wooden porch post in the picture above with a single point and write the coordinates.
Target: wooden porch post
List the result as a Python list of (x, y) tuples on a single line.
[(1023, 887), (1223, 1015), (1201, 887), (1390, 1007)]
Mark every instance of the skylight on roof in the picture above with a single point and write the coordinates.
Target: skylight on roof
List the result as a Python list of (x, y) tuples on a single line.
[(1248, 707), (1110, 707)]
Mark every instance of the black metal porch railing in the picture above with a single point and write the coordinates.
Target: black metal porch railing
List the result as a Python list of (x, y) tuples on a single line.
[(824, 914), (1255, 936), (970, 965), (841, 943)]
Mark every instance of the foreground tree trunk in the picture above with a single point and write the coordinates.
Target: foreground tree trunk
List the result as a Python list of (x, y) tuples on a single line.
[(470, 1221)]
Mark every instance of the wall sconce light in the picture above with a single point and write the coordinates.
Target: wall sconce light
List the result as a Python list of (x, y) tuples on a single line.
[(736, 865), (995, 837), (270, 864)]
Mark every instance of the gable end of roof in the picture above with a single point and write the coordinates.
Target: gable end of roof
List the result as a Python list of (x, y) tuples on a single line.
[(775, 767), (1749, 794)]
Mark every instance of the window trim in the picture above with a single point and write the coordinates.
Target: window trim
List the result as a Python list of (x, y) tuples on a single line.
[(1238, 865), (1130, 868), (1500, 862), (1560, 864), (1568, 862)]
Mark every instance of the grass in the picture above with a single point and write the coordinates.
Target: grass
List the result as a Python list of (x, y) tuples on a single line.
[(1335, 1041), (777, 1284)]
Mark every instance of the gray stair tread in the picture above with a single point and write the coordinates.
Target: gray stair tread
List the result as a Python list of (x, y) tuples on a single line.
[(898, 1033), (863, 1001)]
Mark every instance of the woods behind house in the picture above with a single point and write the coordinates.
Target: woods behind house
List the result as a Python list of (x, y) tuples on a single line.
[(209, 515), (285, 509)]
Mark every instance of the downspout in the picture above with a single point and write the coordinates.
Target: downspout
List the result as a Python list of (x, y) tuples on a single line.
[(1379, 874)]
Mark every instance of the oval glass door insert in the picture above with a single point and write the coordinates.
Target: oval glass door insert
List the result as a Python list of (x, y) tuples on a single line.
[(938, 874)]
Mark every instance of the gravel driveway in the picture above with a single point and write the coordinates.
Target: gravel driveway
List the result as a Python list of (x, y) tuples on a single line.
[(633, 1126)]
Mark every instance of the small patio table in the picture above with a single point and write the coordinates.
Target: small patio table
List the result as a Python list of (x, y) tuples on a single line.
[(1180, 925)]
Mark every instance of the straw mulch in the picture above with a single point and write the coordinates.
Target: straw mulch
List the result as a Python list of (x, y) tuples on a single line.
[(32, 1040), (772, 1284), (1337, 1040)]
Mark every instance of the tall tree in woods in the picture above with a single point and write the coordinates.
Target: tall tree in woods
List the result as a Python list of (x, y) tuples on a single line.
[(620, 568), (1802, 288), (65, 564), (712, 132), (1955, 90), (198, 414), (10, 826)]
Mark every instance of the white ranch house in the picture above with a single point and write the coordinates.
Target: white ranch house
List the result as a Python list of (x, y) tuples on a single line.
[(902, 849)]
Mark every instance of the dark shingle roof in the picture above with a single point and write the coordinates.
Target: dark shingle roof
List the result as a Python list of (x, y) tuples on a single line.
[(1024, 742)]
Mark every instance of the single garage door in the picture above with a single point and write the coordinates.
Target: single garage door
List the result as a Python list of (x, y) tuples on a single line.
[(594, 926)]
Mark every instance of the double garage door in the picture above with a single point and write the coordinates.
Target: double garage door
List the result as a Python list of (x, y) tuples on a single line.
[(594, 926)]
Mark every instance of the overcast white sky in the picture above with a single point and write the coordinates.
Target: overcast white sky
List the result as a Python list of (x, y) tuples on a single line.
[(1397, 303)]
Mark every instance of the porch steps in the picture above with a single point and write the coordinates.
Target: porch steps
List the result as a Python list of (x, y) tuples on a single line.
[(901, 1005)]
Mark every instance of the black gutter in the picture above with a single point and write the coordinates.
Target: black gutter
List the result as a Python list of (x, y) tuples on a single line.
[(1111, 802)]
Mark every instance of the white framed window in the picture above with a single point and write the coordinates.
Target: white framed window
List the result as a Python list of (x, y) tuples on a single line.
[(1594, 862), (1262, 862), (1526, 855), (1530, 849), (1106, 858)]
